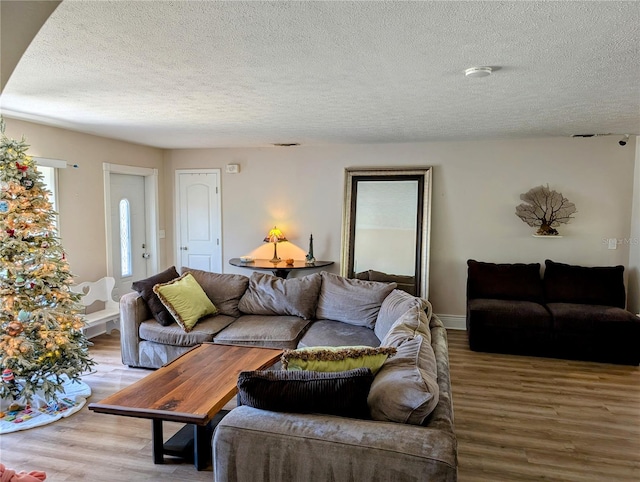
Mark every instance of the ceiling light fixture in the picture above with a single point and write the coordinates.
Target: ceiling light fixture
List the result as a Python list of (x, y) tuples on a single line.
[(478, 71)]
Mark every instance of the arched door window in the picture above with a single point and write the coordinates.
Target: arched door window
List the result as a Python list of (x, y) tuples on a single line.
[(125, 238)]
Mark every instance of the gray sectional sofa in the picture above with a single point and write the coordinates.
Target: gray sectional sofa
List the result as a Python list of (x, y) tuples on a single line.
[(323, 309)]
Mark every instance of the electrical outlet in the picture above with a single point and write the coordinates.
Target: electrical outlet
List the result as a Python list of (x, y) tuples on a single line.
[(613, 243)]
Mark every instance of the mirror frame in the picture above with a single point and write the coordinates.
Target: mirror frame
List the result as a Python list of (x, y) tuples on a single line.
[(423, 176)]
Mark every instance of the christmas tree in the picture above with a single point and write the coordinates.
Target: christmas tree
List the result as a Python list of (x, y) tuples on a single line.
[(40, 326)]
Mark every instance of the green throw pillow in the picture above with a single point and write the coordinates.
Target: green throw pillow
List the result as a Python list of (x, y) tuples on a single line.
[(336, 358), (185, 300)]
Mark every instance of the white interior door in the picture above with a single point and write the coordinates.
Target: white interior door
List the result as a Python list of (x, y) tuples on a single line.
[(128, 227), (199, 233)]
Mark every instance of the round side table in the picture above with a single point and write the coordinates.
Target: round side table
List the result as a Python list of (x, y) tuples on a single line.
[(281, 269)]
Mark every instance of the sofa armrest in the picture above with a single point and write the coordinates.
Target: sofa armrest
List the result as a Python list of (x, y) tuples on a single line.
[(259, 445), (133, 311)]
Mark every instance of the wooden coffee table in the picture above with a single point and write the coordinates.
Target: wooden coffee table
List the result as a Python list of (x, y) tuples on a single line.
[(192, 389)]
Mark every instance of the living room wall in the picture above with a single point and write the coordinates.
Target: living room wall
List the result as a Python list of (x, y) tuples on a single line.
[(476, 187), (81, 190)]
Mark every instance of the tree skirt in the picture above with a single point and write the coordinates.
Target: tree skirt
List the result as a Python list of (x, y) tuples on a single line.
[(39, 412)]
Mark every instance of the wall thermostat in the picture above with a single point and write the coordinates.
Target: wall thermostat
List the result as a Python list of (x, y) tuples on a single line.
[(233, 168)]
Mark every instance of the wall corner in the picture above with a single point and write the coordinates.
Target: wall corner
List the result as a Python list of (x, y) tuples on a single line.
[(633, 285)]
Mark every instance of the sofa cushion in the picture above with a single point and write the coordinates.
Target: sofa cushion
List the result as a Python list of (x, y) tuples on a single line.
[(321, 448), (405, 390), (204, 331), (261, 330), (515, 281), (441, 418), (393, 307), (412, 322), (154, 355), (336, 358), (336, 333), (271, 295), (352, 301), (145, 288), (602, 285), (224, 290), (185, 300), (508, 314), (336, 393), (577, 317)]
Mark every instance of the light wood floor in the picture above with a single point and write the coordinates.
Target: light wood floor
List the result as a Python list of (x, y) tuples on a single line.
[(517, 419), (525, 418)]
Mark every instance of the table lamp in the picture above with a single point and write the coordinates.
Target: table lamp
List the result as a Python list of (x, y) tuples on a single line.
[(275, 236)]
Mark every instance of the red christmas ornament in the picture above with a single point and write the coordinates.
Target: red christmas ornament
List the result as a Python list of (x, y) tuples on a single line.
[(7, 375), (21, 167), (11, 232)]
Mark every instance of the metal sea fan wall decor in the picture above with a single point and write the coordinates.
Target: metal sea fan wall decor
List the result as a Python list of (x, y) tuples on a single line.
[(545, 209)]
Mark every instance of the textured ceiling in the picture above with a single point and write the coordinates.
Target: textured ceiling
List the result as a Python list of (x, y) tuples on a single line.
[(229, 74)]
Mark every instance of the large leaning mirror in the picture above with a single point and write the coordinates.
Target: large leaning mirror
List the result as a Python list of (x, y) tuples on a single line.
[(386, 226)]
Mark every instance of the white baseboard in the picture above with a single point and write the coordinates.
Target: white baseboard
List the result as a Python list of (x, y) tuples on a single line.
[(453, 322)]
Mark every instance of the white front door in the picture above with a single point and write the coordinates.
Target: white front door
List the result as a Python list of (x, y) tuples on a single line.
[(129, 253), (199, 223)]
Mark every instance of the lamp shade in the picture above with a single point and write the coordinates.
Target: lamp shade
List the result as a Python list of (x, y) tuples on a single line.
[(274, 236)]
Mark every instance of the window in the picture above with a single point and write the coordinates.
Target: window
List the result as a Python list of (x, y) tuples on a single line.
[(49, 179), (125, 238), (49, 170)]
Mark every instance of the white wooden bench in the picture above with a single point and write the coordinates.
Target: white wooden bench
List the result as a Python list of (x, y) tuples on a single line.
[(101, 321)]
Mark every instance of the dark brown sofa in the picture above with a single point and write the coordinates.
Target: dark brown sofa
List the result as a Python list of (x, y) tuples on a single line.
[(574, 312)]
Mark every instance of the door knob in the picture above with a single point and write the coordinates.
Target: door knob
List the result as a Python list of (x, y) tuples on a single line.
[(183, 248)]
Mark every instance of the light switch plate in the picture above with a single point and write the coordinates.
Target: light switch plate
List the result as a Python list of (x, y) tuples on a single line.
[(613, 243)]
